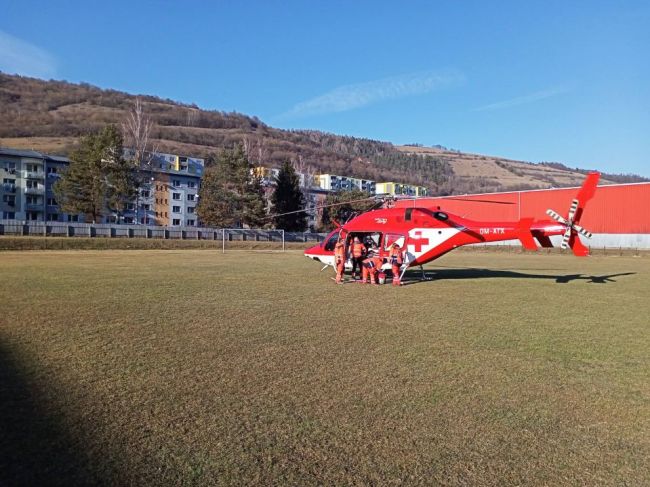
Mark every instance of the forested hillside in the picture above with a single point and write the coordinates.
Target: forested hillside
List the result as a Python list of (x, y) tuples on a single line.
[(51, 115)]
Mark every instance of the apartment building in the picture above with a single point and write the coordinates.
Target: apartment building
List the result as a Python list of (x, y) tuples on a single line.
[(26, 192), (333, 182), (268, 176), (168, 195), (400, 189), (170, 191)]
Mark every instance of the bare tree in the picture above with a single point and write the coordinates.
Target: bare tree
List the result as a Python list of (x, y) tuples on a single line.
[(136, 129), (255, 150), (262, 151), (192, 117), (307, 170), (247, 144)]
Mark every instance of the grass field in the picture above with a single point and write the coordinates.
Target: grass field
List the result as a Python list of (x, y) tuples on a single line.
[(196, 367)]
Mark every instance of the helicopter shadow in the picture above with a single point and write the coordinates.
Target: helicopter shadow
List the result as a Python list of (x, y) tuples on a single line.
[(415, 276)]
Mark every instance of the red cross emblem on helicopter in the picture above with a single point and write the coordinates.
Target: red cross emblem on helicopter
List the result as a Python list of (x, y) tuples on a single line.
[(419, 241)]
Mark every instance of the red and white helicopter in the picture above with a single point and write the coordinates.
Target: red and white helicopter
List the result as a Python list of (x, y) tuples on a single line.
[(424, 234)]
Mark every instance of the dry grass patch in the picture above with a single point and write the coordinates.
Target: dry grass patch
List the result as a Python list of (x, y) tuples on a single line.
[(193, 367)]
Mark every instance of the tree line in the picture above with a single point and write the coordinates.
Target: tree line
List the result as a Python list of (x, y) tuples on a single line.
[(100, 182)]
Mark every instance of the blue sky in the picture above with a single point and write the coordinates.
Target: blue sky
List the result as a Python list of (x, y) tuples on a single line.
[(536, 81)]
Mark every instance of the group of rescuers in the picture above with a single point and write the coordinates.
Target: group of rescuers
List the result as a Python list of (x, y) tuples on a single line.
[(367, 259)]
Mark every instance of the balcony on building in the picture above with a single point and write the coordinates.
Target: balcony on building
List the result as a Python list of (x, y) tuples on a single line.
[(34, 174), (38, 207), (38, 190)]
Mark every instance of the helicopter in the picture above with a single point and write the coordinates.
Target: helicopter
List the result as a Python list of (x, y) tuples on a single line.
[(425, 234)]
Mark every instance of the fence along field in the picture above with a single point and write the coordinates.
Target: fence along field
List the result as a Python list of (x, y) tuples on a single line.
[(58, 229), (203, 368)]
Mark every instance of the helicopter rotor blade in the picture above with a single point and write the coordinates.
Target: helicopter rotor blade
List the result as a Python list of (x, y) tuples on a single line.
[(565, 238), (306, 210), (582, 231), (572, 210), (556, 216)]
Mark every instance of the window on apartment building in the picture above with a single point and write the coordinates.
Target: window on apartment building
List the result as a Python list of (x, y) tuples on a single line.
[(176, 183), (176, 196), (190, 209), (165, 214), (51, 170), (146, 193), (165, 200), (176, 221), (9, 188), (32, 184), (51, 202), (129, 206), (146, 207), (8, 215), (176, 209), (191, 184), (190, 223), (9, 198), (8, 181), (190, 197), (52, 217), (73, 218), (9, 166), (32, 215), (32, 200)]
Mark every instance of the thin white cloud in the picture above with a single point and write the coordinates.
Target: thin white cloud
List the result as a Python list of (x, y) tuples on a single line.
[(522, 100), (349, 97), (21, 57)]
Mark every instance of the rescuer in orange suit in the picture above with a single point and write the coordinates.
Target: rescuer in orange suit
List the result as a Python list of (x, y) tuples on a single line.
[(395, 259), (371, 265), (339, 259), (357, 252)]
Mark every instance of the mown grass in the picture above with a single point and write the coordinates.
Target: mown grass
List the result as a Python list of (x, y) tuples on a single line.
[(98, 243), (198, 368)]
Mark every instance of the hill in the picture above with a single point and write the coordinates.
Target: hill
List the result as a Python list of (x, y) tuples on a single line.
[(51, 115)]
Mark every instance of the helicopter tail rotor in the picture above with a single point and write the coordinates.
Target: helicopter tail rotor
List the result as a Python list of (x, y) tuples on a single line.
[(570, 237)]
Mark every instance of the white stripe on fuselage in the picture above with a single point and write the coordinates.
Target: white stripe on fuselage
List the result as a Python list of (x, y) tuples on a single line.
[(429, 238), (325, 259)]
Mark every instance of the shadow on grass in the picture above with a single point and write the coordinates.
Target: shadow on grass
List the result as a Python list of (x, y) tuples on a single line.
[(415, 276), (35, 448)]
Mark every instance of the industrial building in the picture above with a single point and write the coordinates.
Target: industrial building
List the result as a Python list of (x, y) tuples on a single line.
[(618, 215)]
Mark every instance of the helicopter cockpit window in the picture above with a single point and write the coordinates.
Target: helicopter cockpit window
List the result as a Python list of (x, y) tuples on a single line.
[(441, 215), (331, 242), (391, 238)]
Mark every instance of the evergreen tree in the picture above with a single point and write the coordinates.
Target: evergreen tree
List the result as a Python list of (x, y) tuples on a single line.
[(230, 194), (98, 179), (217, 205), (287, 198), (343, 212), (254, 214)]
